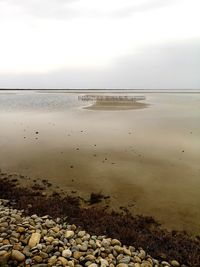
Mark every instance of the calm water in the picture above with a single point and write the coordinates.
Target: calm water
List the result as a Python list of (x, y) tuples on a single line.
[(147, 158)]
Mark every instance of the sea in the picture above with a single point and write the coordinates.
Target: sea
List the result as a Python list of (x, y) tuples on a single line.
[(145, 156)]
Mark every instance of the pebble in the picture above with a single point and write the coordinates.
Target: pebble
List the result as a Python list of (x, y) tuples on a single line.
[(49, 223), (90, 258), (2, 252), (125, 259), (6, 247), (77, 255), (165, 263), (17, 255), (115, 242), (142, 254), (63, 261), (4, 224), (66, 253), (146, 264), (69, 234), (37, 259), (127, 251), (34, 240), (84, 247), (21, 229), (52, 260), (93, 265), (175, 263), (104, 263), (81, 234)]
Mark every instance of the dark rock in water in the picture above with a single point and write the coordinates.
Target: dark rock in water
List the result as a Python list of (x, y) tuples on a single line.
[(96, 198)]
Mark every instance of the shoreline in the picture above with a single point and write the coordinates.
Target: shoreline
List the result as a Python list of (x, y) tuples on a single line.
[(131, 230)]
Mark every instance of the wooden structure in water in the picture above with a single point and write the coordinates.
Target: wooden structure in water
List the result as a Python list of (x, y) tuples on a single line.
[(105, 98)]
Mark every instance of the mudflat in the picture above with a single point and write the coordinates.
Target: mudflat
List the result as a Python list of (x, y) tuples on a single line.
[(146, 159)]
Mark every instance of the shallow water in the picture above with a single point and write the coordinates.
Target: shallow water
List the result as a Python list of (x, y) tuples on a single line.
[(146, 158)]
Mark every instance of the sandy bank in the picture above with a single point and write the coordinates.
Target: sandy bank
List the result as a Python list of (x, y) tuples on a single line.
[(113, 105)]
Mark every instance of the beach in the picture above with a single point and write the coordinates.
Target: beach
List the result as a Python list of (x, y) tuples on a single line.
[(38, 228)]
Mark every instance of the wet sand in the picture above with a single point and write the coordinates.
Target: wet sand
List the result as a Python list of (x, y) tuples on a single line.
[(146, 159), (116, 105)]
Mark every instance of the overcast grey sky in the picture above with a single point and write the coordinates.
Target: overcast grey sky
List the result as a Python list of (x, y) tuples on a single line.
[(99, 44)]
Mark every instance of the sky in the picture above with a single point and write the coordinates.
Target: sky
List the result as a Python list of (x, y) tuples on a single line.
[(143, 44)]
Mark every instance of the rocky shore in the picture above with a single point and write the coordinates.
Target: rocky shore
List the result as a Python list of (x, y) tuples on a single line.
[(37, 229), (41, 242)]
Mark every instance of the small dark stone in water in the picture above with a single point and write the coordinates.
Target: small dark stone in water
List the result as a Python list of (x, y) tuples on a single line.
[(96, 198), (71, 166), (36, 132), (183, 151), (123, 208), (55, 194), (37, 187)]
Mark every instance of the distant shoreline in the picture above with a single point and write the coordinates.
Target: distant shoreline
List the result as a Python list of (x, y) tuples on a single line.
[(113, 90)]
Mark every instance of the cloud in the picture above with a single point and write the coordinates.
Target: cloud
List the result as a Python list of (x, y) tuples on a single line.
[(143, 7), (107, 43), (68, 9), (164, 66)]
